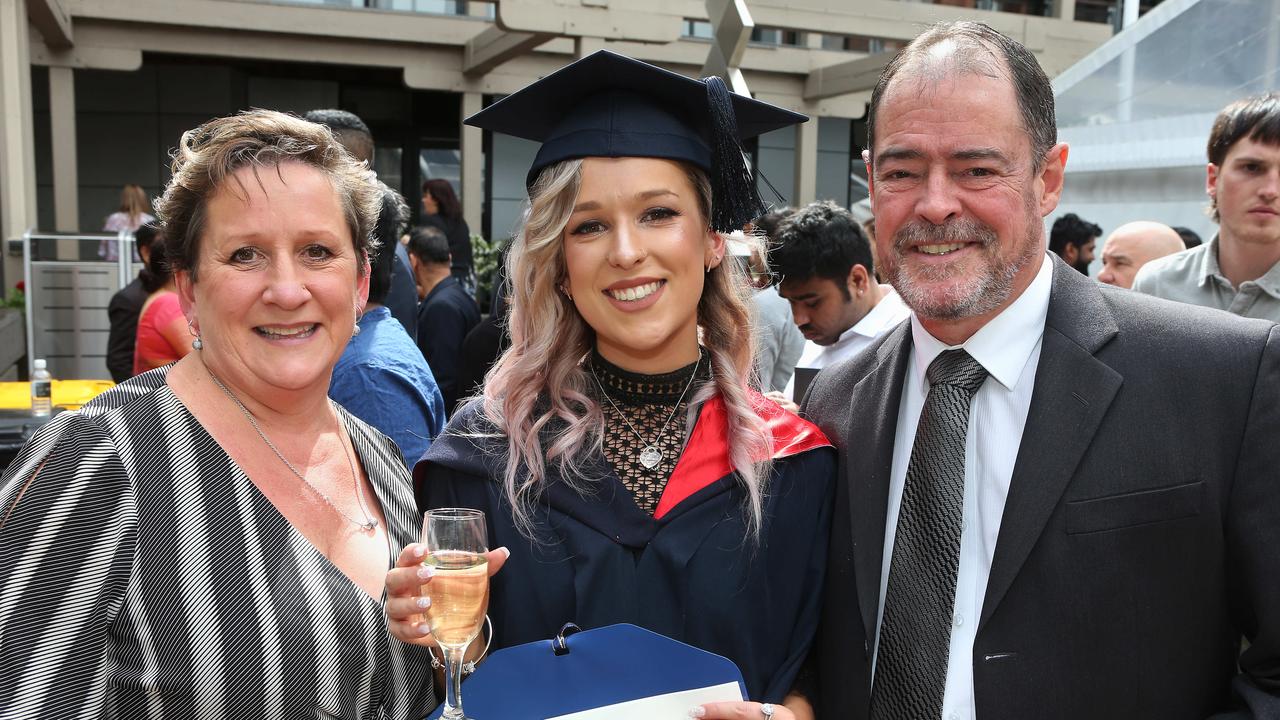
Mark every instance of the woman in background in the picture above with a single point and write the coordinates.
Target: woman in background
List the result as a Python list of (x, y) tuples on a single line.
[(131, 215), (441, 208), (163, 336)]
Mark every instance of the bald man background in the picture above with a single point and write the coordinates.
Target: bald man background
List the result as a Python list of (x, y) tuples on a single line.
[(1133, 245)]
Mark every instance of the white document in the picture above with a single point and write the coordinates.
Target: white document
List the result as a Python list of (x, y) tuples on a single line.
[(672, 706)]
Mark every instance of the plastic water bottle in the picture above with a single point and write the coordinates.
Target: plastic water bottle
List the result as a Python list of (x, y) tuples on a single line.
[(41, 390)]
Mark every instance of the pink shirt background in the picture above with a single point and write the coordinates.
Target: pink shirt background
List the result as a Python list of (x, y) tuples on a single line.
[(152, 349)]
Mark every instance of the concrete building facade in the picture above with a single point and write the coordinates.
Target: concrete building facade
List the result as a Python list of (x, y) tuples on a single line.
[(96, 93)]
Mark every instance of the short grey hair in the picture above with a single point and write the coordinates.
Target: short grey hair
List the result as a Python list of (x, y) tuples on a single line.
[(210, 154), (977, 44)]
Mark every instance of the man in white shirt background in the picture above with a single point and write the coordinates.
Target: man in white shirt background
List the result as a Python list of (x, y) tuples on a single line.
[(826, 271), (1024, 525)]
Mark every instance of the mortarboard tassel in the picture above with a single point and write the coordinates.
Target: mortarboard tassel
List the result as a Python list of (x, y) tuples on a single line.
[(735, 201)]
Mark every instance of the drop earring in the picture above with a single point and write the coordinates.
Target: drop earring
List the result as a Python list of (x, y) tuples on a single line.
[(196, 344)]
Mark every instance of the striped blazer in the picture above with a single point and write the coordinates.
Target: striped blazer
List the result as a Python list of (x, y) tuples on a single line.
[(143, 575)]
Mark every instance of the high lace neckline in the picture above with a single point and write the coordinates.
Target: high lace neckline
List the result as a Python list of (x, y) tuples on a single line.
[(644, 415), (633, 388)]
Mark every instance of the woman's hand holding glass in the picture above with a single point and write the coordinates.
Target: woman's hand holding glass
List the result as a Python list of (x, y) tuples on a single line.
[(452, 573), (407, 601)]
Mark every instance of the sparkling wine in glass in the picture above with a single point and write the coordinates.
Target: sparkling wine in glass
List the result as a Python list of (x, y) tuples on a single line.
[(459, 590)]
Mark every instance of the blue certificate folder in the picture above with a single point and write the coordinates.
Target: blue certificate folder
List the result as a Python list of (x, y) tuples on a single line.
[(594, 668)]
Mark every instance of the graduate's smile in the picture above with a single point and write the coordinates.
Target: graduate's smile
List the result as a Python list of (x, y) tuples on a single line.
[(635, 294)]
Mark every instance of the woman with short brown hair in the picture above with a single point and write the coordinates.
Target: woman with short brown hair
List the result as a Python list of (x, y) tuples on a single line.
[(209, 539)]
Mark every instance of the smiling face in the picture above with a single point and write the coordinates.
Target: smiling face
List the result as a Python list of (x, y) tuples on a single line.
[(279, 281), (636, 248), (1246, 189), (957, 200)]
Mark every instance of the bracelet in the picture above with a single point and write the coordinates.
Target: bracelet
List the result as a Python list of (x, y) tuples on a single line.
[(469, 666)]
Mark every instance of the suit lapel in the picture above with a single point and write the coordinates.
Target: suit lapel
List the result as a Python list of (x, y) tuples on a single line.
[(1073, 391), (873, 418)]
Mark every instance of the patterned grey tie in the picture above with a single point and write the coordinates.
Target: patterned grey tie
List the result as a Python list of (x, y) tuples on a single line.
[(915, 630)]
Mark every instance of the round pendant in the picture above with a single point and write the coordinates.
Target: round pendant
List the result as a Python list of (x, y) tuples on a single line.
[(650, 457)]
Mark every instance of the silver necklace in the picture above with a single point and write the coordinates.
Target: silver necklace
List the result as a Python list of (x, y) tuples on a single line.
[(369, 522), (650, 456)]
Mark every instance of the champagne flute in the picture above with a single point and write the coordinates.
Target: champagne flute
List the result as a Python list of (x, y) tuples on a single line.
[(459, 590)]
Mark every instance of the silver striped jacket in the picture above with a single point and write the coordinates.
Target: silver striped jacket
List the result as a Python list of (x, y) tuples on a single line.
[(143, 575)]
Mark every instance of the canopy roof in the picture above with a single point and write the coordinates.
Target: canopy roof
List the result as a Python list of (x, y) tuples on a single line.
[(1147, 97)]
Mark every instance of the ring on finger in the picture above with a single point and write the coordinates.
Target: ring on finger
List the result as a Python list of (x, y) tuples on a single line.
[(767, 710)]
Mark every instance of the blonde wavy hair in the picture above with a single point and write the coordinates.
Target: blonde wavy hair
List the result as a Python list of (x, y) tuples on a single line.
[(537, 394)]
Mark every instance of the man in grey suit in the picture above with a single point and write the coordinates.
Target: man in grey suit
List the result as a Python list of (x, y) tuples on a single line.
[(1026, 525)]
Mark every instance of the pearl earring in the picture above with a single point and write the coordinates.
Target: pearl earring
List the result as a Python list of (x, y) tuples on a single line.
[(196, 344)]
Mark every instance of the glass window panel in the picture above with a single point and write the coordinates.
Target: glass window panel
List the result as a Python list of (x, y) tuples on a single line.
[(435, 7), (1182, 68), (386, 160), (441, 163), (700, 29)]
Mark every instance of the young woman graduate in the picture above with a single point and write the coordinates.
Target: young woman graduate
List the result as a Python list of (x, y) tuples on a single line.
[(618, 450)]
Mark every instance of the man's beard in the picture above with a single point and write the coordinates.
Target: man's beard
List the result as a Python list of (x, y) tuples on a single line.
[(980, 293), (1081, 267)]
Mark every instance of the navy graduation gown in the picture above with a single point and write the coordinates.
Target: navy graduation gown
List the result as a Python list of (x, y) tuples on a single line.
[(688, 571)]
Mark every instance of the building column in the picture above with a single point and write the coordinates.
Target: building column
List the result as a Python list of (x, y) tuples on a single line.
[(472, 163), (806, 180), (1064, 9), (17, 139), (584, 46), (62, 126)]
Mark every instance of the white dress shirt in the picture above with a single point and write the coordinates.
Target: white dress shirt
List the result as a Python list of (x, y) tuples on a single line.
[(1008, 347), (879, 320)]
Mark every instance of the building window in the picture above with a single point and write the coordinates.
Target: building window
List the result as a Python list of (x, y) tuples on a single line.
[(861, 43), (1108, 11), (434, 7), (1018, 7), (778, 36), (700, 29)]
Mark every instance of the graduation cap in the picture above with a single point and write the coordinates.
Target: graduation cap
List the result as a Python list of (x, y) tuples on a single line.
[(610, 105)]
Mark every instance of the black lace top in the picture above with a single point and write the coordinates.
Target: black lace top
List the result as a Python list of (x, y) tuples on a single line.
[(643, 412)]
